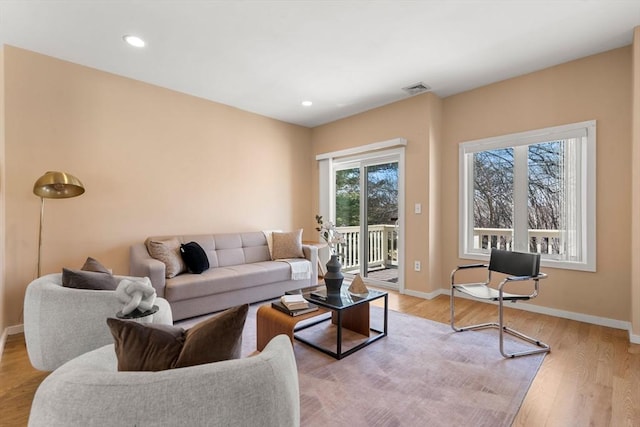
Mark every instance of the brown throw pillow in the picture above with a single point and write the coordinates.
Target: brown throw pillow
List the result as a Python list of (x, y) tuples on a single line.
[(145, 347), (215, 339), (287, 245), (149, 347), (167, 251), (93, 275)]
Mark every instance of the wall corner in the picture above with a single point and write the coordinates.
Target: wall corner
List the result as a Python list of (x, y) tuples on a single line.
[(635, 185)]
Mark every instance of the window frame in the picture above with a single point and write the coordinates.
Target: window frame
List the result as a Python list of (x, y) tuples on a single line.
[(586, 196)]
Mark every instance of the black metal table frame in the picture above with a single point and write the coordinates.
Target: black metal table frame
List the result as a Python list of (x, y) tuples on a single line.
[(339, 354)]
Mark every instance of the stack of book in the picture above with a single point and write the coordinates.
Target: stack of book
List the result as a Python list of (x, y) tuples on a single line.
[(294, 305)]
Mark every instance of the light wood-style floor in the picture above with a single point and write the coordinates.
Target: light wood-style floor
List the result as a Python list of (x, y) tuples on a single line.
[(590, 378)]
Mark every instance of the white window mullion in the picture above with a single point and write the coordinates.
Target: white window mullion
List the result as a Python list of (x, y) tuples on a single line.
[(326, 185), (521, 199), (470, 224)]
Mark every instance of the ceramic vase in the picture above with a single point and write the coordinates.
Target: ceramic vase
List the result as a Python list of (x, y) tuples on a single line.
[(333, 278)]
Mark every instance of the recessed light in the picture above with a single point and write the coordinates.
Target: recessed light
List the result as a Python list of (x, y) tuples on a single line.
[(134, 41), (307, 103)]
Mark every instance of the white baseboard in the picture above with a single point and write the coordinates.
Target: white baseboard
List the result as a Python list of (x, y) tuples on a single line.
[(10, 330), (580, 317), (15, 329), (424, 295), (3, 340)]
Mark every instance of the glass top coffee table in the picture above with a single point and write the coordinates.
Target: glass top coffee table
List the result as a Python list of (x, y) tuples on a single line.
[(348, 311)]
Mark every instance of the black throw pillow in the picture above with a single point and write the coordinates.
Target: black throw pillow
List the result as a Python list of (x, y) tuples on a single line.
[(194, 257)]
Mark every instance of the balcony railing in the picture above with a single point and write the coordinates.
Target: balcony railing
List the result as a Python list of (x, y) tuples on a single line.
[(383, 244), (540, 241), (383, 247)]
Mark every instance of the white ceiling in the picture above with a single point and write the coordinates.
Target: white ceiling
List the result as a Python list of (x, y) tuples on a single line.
[(345, 56)]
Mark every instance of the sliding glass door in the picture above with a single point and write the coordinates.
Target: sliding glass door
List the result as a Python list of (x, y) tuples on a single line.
[(366, 201)]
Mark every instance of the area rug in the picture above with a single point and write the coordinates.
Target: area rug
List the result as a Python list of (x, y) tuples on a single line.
[(421, 374)]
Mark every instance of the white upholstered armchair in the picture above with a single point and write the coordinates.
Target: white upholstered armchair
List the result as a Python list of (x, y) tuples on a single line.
[(89, 391), (66, 331), (62, 323)]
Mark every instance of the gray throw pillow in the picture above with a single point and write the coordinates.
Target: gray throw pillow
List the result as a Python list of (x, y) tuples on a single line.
[(93, 275), (92, 264)]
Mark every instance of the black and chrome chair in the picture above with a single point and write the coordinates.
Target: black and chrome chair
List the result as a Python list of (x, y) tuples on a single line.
[(518, 267)]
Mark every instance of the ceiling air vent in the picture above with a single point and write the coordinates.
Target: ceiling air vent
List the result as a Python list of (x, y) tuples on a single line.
[(416, 88)]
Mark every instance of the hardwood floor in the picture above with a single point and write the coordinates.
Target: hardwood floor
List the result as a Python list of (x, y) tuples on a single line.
[(590, 378), (18, 383)]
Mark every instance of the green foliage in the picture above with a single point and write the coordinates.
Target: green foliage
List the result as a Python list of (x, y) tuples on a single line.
[(382, 195), (347, 197)]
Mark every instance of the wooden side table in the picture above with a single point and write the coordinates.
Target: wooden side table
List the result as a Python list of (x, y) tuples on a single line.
[(271, 322)]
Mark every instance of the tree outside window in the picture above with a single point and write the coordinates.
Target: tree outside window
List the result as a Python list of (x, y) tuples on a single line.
[(534, 192)]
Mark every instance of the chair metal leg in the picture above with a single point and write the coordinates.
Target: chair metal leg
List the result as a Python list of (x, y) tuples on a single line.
[(466, 328), (543, 348)]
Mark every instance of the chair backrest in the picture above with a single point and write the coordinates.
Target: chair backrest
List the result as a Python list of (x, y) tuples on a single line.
[(514, 263)]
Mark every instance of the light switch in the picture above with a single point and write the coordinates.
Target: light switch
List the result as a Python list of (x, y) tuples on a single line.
[(418, 208)]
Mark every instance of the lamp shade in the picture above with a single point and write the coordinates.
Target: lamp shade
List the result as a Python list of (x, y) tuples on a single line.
[(58, 185)]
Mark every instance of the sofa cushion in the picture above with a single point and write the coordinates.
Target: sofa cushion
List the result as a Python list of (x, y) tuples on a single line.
[(167, 251), (226, 279), (93, 275), (148, 347), (226, 249), (287, 245), (194, 257), (255, 246)]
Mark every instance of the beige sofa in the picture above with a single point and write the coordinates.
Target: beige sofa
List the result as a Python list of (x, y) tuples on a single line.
[(241, 271)]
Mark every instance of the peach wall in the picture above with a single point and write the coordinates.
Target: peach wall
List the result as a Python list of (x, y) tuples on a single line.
[(153, 162), (409, 119), (4, 322), (635, 211), (596, 87)]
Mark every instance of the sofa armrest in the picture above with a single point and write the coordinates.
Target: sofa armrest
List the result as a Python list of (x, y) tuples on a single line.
[(311, 253), (141, 264)]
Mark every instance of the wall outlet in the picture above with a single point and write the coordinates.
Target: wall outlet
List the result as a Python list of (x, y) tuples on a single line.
[(416, 265)]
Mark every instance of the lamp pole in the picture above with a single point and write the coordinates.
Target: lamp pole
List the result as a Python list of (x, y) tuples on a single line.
[(40, 233), (54, 185)]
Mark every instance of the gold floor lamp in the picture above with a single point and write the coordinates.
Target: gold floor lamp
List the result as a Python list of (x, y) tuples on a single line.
[(54, 185)]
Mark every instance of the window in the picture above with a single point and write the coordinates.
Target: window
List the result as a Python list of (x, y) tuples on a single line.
[(531, 192)]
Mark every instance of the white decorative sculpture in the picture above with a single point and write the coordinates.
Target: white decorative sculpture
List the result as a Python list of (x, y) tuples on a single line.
[(357, 286), (136, 293)]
